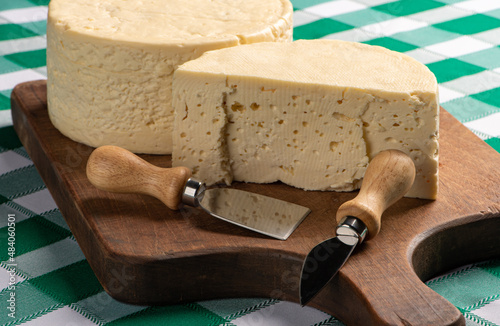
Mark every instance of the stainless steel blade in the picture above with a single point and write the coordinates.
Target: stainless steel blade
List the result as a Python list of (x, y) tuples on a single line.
[(270, 216), (266, 215), (325, 259), (321, 265)]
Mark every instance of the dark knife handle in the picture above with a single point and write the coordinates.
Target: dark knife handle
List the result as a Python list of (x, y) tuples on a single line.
[(388, 177), (115, 169)]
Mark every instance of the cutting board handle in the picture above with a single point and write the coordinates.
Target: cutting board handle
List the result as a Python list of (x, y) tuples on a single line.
[(388, 177), (115, 169)]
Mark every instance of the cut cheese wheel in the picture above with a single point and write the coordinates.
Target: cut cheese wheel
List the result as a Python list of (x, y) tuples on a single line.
[(110, 62), (309, 113)]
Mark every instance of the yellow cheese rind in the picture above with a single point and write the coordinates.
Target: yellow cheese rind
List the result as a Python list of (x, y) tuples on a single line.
[(110, 63), (309, 113)]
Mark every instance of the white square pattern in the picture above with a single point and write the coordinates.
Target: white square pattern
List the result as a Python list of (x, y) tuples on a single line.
[(459, 46), (333, 8)]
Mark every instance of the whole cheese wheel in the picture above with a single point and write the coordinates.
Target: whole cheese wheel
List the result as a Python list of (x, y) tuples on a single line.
[(110, 62), (311, 114)]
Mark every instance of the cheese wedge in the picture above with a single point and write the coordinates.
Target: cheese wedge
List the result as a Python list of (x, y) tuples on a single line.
[(110, 62), (309, 113)]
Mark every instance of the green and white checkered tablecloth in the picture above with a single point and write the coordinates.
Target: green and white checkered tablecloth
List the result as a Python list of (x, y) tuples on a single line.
[(458, 40)]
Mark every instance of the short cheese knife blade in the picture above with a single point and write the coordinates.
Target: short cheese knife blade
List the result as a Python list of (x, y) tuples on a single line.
[(270, 216), (115, 169), (389, 176), (326, 258)]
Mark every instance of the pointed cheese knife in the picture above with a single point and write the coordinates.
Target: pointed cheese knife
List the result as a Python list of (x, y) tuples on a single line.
[(388, 177), (115, 169)]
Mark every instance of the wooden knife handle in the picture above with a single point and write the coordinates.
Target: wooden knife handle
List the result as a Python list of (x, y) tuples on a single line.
[(115, 169), (388, 177)]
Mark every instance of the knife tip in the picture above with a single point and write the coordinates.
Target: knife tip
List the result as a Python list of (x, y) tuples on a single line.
[(305, 302), (305, 298)]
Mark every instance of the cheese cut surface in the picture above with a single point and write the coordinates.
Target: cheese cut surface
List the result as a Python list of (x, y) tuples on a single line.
[(110, 62), (309, 113)]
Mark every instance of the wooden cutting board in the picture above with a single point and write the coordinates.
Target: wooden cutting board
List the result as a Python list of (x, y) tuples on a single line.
[(144, 253)]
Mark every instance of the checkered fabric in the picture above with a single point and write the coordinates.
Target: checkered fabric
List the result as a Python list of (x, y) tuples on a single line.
[(53, 284)]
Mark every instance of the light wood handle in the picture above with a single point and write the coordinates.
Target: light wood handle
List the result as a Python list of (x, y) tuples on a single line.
[(115, 169), (388, 177)]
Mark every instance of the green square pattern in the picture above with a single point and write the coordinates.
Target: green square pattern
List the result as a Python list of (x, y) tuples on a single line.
[(13, 31), (392, 44), (69, 284), (29, 59), (479, 282), (4, 105), (31, 234), (488, 59), (494, 142), (363, 17), (20, 182), (7, 66), (8, 138), (41, 295), (16, 4), (40, 2), (425, 36), (319, 28), (491, 97), (408, 7), (301, 4), (3, 199), (188, 315), (452, 68), (30, 304), (466, 109), (470, 24)]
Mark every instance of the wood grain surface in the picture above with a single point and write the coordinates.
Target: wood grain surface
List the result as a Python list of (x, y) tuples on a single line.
[(144, 253)]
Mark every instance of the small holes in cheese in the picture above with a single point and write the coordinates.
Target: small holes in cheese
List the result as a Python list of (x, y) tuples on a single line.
[(254, 106), (333, 145), (238, 107), (342, 117)]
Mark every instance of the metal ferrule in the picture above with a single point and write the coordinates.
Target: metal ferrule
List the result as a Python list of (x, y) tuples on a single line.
[(351, 230), (193, 192)]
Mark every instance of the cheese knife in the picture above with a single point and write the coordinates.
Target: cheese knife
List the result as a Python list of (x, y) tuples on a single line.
[(115, 169), (388, 177)]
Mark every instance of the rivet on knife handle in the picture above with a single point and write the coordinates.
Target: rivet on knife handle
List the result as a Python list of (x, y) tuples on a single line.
[(115, 169), (388, 177)]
